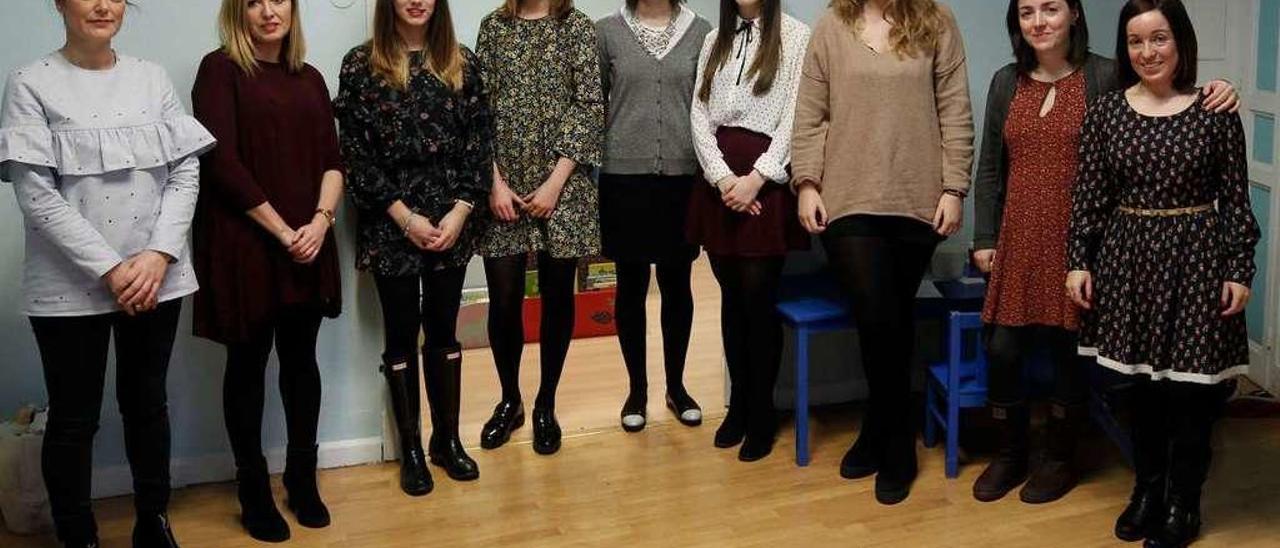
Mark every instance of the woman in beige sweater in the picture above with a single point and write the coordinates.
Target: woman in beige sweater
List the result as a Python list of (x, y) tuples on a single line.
[(881, 158)]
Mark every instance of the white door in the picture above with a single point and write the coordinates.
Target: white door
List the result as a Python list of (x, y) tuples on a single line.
[(1240, 41)]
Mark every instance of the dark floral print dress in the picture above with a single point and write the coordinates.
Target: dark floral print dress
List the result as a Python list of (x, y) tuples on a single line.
[(1158, 278), (543, 76), (427, 146)]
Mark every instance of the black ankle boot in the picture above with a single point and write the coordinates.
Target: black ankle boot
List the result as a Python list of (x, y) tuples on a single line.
[(898, 468), (304, 494), (258, 514), (863, 457), (444, 394), (732, 428), (546, 432), (508, 416), (153, 531), (1179, 526), (762, 430), (1008, 469), (1140, 518), (402, 380)]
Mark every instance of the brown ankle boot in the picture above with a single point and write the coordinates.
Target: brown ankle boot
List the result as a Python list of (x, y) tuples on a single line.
[(1056, 474), (1008, 469)]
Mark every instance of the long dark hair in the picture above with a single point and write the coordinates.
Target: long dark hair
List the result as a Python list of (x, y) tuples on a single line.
[(765, 66), (1184, 37), (390, 58), (1025, 55)]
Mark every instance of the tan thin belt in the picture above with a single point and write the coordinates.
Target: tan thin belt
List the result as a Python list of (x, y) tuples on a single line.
[(1165, 212)]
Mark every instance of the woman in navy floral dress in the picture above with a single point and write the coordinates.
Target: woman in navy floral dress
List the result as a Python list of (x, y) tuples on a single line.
[(417, 137), (1161, 258)]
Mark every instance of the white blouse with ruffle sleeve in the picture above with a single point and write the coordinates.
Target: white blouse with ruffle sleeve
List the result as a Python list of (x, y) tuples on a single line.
[(104, 166)]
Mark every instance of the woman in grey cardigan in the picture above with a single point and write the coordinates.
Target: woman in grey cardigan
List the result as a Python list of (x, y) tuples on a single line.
[(102, 158), (648, 60), (1026, 170)]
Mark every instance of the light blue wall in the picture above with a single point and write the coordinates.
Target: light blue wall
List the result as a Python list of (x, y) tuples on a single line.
[(176, 34)]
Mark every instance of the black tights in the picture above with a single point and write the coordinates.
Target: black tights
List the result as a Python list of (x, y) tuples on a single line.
[(1172, 428), (879, 262), (506, 322), (752, 334), (73, 351), (1009, 350), (414, 304), (677, 320), (243, 386)]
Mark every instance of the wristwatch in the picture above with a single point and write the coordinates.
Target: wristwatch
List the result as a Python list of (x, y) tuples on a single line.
[(328, 214)]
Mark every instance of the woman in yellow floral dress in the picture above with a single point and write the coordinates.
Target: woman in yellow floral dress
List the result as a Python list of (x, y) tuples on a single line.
[(540, 64)]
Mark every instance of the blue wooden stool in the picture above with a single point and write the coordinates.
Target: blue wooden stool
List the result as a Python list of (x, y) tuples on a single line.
[(809, 304), (959, 382)]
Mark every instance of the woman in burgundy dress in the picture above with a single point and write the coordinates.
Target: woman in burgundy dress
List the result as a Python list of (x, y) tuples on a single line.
[(264, 255), (1026, 169)]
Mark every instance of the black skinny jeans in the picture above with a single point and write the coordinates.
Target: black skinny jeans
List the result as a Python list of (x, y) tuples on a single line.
[(1009, 349), (73, 351), (412, 304), (677, 320), (506, 321), (293, 333), (880, 262)]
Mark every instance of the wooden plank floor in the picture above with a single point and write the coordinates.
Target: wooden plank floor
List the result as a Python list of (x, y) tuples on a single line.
[(669, 487)]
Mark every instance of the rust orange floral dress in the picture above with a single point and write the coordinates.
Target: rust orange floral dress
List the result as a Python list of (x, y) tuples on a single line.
[(1027, 285)]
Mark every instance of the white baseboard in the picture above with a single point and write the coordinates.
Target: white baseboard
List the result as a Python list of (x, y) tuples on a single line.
[(112, 481)]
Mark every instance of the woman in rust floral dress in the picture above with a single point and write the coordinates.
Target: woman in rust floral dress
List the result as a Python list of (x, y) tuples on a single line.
[(1026, 169), (1161, 257)]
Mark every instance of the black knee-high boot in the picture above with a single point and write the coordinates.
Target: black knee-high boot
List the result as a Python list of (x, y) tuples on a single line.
[(402, 380), (1150, 436), (1194, 409), (444, 394)]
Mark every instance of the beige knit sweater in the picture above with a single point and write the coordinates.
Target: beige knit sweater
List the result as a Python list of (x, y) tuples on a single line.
[(880, 133)]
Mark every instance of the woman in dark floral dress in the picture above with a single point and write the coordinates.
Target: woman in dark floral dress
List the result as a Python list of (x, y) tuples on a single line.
[(542, 70), (417, 134), (1161, 257)]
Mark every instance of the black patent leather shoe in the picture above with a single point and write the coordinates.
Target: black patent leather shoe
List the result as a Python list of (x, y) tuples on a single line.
[(1141, 516), (450, 455), (507, 417), (546, 432), (1179, 527), (153, 531)]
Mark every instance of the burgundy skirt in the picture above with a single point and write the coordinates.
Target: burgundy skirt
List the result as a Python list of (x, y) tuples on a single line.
[(723, 231)]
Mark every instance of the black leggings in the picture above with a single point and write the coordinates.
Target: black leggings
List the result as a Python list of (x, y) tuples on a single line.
[(677, 319), (294, 334), (1172, 429), (880, 262), (752, 333), (73, 351), (413, 304), (1009, 350), (506, 322)]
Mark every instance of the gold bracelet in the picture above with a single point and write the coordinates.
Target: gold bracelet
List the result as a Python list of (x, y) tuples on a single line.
[(328, 215)]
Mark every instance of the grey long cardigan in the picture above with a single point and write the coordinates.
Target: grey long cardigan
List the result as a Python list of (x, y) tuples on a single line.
[(993, 160)]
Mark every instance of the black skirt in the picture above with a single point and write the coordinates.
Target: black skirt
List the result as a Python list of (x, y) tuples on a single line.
[(642, 217)]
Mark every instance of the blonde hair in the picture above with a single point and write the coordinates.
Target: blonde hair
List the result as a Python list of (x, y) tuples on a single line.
[(559, 8), (237, 43), (917, 24), (389, 57)]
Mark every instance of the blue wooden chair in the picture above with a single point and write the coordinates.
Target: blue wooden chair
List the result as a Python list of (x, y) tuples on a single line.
[(958, 382), (809, 304)]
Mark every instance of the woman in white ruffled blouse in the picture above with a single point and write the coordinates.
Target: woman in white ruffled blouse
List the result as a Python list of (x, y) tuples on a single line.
[(102, 158)]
